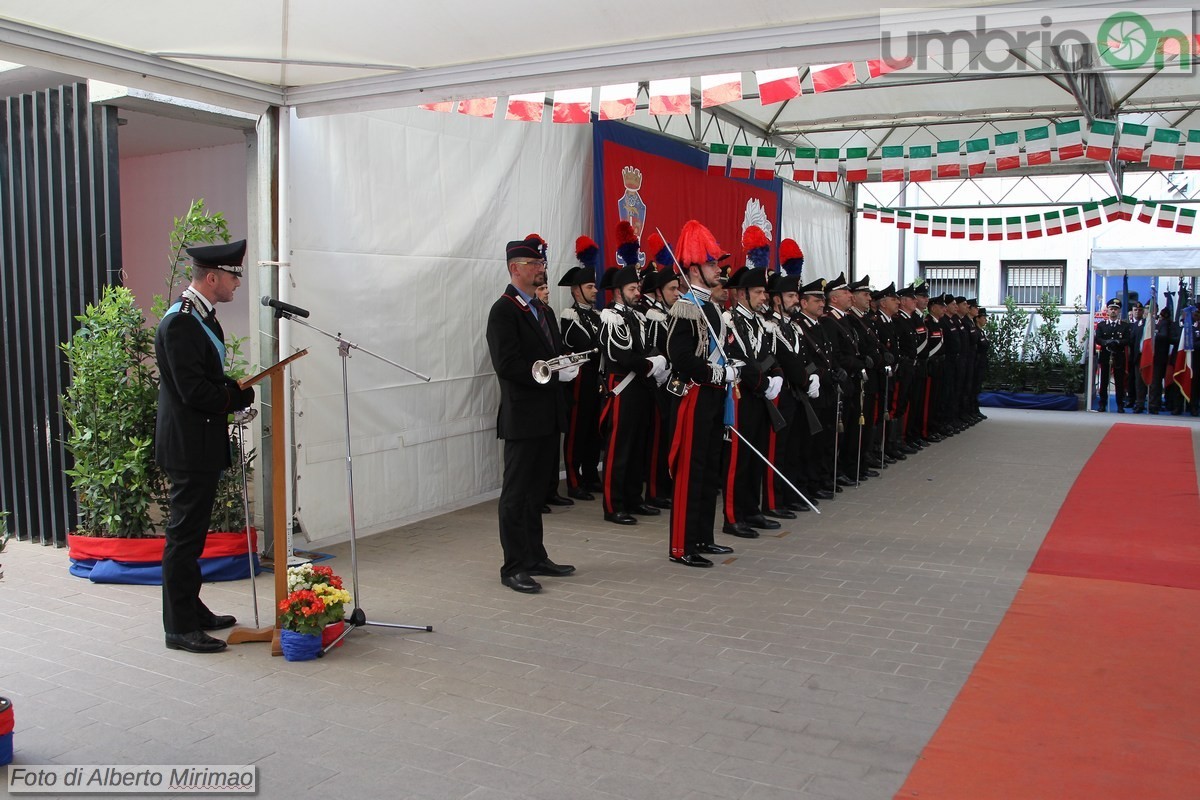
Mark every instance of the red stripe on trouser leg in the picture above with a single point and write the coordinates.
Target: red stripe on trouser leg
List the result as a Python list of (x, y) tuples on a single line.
[(769, 476), (730, 514), (680, 462), (572, 433), (614, 414)]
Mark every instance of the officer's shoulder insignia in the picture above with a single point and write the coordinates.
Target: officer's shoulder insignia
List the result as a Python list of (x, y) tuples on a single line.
[(186, 305), (656, 315), (823, 282), (611, 316), (521, 302), (684, 309), (570, 314)]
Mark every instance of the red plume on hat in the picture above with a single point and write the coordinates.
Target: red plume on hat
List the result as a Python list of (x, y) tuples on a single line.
[(539, 243), (696, 245), (587, 251), (627, 243), (757, 245), (791, 257), (658, 250)]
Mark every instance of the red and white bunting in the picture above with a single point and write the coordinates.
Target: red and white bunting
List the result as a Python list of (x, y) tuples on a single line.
[(827, 77), (448, 107), (717, 90), (1166, 215), (777, 85), (618, 101), (478, 107), (672, 96), (882, 66), (573, 106), (526, 107)]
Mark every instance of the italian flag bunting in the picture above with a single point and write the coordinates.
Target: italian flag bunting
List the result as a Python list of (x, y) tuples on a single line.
[(1037, 145), (1071, 220), (939, 226), (1007, 156), (920, 223), (1091, 214), (920, 162), (949, 162), (1069, 139), (856, 164), (718, 159), (827, 164), (1111, 206), (1133, 142), (893, 163), (1033, 226), (1146, 213), (975, 229), (1054, 223), (1166, 215), (977, 155), (1100, 140), (717, 90), (804, 170), (870, 211), (1164, 147), (904, 220), (1187, 220), (1191, 151), (777, 85), (995, 229), (887, 215), (1127, 205), (958, 227), (1015, 231), (618, 101), (739, 167), (764, 163)]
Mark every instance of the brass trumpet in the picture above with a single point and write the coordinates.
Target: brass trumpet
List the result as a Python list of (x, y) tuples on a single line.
[(543, 371)]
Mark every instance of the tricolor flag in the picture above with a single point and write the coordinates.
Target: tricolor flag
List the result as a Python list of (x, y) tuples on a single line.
[(1037, 145), (958, 227), (870, 211), (882, 66), (939, 226), (1164, 147), (1100, 140), (743, 155), (1133, 142), (903, 220), (827, 164), (887, 215), (1054, 223), (804, 170), (764, 163), (618, 101), (826, 77), (478, 107), (977, 155), (573, 106), (526, 107), (1146, 353), (1033, 226), (1111, 206), (1071, 220), (920, 223), (893, 163), (1091, 214), (856, 164), (1182, 375), (717, 90), (920, 162), (1191, 151), (1127, 205), (1146, 213), (1013, 224), (949, 162), (718, 159), (1069, 140), (671, 96), (1007, 156), (975, 229), (1187, 220), (1166, 215), (448, 107), (995, 229), (777, 85)]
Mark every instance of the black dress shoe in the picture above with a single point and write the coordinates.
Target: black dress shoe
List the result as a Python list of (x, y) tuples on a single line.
[(692, 560), (545, 509), (869, 473), (759, 521), (908, 449), (647, 510), (218, 622), (557, 499), (621, 518), (660, 502), (779, 513), (714, 549), (521, 582), (896, 455), (934, 437), (194, 642), (581, 494), (822, 494), (845, 480), (550, 569), (873, 462), (740, 529)]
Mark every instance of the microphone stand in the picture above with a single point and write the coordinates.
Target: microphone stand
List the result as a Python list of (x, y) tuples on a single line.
[(358, 617)]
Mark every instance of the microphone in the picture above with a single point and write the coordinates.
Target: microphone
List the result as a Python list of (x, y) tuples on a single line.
[(282, 308)]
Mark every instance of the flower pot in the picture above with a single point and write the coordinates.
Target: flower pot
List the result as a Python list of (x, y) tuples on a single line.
[(298, 646), (332, 631), (6, 731)]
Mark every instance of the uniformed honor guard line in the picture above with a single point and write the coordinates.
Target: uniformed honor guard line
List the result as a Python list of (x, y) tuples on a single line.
[(358, 617), (717, 343)]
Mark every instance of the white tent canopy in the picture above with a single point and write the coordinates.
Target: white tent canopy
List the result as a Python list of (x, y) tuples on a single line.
[(1146, 261)]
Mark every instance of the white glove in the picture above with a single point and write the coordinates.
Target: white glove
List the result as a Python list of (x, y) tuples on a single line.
[(732, 374), (661, 379), (774, 386), (658, 365), (814, 386), (568, 374)]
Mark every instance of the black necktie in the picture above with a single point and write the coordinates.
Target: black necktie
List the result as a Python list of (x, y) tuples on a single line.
[(541, 318)]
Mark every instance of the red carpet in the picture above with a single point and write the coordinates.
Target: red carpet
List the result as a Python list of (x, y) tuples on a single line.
[(1088, 689)]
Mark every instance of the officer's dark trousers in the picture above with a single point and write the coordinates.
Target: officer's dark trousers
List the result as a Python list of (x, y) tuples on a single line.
[(625, 468), (696, 468), (743, 484), (522, 493), (192, 497), (1115, 360)]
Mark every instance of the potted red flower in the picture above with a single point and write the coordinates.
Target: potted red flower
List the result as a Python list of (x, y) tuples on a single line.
[(301, 618)]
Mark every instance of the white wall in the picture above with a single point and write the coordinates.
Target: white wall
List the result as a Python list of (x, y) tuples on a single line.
[(156, 189), (822, 229)]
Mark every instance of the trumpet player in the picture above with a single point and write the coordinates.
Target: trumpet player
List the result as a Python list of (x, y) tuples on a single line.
[(531, 414), (580, 333)]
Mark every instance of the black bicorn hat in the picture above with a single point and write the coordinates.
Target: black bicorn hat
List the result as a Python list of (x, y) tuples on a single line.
[(837, 283), (606, 280), (577, 276), (225, 257), (786, 283), (532, 246), (816, 288), (624, 276), (749, 278), (665, 276)]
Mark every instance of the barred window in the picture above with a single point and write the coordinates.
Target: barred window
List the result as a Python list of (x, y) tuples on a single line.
[(1026, 281), (959, 278)]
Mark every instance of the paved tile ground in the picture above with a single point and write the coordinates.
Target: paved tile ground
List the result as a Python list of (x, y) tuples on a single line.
[(814, 664)]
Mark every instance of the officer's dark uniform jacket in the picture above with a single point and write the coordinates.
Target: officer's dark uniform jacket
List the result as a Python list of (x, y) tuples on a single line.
[(528, 409), (817, 350), (750, 344)]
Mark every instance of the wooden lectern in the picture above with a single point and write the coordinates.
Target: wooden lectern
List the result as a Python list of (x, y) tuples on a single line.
[(279, 505)]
